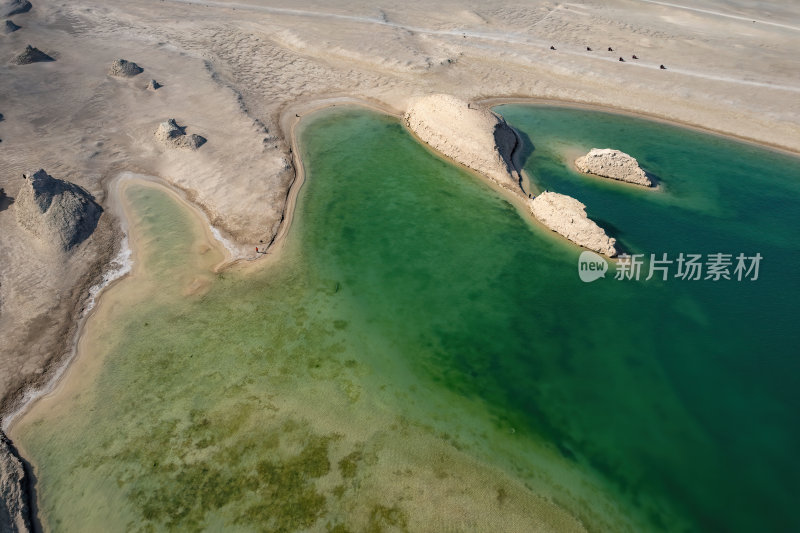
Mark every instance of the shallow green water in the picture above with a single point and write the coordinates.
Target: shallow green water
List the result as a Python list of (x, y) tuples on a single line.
[(411, 292)]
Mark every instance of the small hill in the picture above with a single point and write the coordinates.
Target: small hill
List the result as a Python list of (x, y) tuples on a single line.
[(171, 135), (10, 27), (124, 69), (31, 55), (56, 211)]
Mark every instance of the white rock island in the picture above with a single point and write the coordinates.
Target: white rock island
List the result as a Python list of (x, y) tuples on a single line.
[(480, 139), (608, 163), (567, 216)]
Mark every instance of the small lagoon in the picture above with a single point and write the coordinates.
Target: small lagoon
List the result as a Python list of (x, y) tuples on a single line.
[(422, 356)]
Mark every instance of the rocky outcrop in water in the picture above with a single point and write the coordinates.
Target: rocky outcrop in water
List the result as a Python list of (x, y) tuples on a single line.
[(122, 68), (613, 164), (567, 217), (31, 55), (471, 135), (174, 136), (9, 27), (56, 211), (14, 511), (14, 7)]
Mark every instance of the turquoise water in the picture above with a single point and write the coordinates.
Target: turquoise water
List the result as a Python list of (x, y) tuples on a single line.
[(681, 391), (416, 310)]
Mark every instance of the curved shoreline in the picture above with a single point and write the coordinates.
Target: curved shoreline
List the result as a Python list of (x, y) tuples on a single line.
[(290, 123), (290, 119), (613, 110)]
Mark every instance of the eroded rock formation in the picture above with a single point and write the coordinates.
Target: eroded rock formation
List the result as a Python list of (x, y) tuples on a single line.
[(14, 510), (613, 164), (124, 69), (567, 217), (31, 55), (471, 135), (174, 136), (56, 211)]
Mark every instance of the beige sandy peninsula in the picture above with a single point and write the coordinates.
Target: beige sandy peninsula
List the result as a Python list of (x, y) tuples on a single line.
[(469, 134)]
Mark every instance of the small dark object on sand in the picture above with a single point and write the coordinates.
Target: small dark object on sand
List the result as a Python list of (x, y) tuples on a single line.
[(15, 7), (588, 48), (552, 48), (621, 59), (634, 56), (31, 55), (10, 27), (610, 49), (298, 116), (662, 67)]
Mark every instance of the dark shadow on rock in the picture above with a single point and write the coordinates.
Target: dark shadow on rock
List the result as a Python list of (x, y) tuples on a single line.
[(655, 181), (612, 231), (5, 201), (524, 150)]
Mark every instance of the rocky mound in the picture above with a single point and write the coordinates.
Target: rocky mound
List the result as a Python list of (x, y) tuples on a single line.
[(474, 136), (567, 216), (613, 164), (124, 69), (31, 55), (174, 136), (10, 27), (55, 210), (13, 496), (153, 85), (14, 7)]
